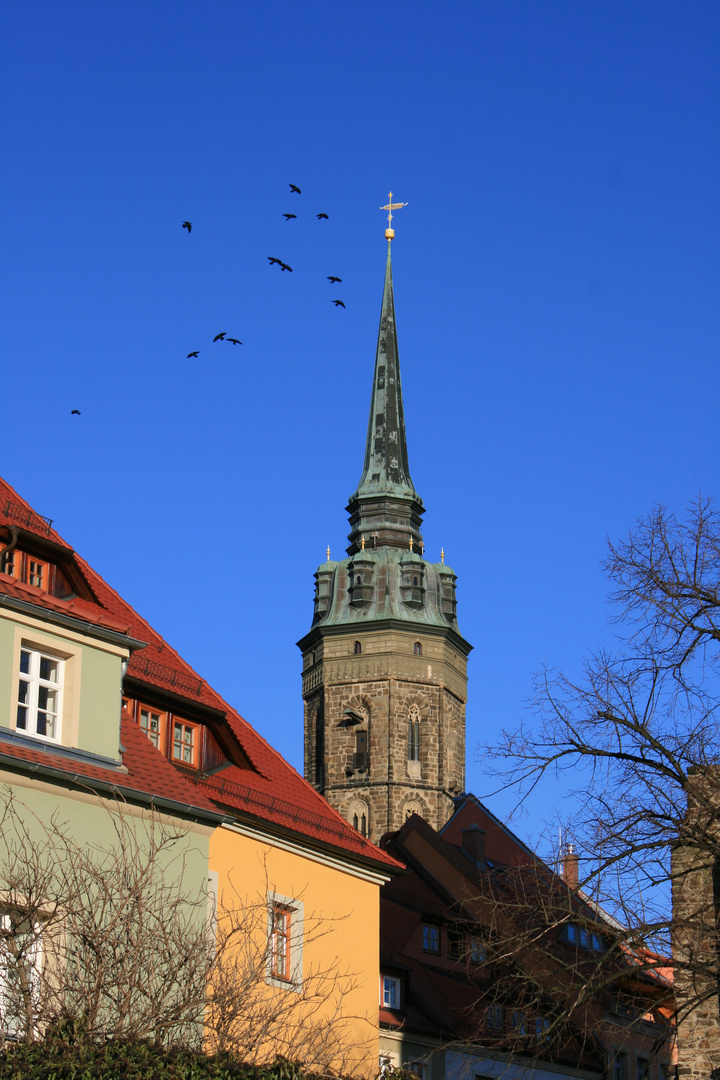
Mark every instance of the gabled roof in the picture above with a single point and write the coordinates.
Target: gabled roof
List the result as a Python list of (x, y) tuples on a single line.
[(270, 793)]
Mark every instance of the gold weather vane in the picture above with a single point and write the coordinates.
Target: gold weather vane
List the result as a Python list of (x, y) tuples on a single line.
[(390, 232)]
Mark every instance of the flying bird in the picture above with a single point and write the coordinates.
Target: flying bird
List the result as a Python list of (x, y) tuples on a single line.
[(294, 187), (187, 225), (333, 279), (318, 216), (219, 337), (74, 412), (284, 266), (338, 303), (288, 216), (272, 260), (196, 353), (234, 340)]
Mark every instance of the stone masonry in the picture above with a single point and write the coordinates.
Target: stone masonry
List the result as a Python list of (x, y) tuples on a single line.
[(696, 943)]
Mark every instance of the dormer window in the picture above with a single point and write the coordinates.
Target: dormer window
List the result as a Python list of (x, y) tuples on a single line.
[(185, 742), (37, 573), (34, 571), (153, 723)]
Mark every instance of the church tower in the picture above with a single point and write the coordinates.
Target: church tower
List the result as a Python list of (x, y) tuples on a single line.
[(384, 664)]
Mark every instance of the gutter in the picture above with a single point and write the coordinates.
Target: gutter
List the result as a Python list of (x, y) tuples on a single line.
[(367, 862), (70, 622), (210, 817)]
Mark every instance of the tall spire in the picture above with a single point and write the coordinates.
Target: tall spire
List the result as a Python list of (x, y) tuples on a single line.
[(386, 460), (385, 508)]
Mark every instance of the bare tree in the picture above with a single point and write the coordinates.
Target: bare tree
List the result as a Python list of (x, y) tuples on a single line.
[(635, 741), (122, 939)]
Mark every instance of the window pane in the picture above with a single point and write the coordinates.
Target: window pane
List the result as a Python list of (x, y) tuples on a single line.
[(25, 663), (430, 938), (390, 993), (477, 950), (22, 718), (48, 669)]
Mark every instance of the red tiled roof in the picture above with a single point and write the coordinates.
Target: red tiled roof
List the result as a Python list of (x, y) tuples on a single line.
[(272, 791), (146, 771)]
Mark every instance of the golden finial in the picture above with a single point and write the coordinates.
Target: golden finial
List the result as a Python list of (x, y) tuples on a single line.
[(390, 232), (411, 543), (328, 553), (362, 543), (442, 554)]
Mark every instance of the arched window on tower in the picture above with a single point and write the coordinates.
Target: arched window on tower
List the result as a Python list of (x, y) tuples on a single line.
[(414, 734), (357, 648), (359, 816), (417, 648)]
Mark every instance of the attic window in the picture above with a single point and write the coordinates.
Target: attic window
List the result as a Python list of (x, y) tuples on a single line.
[(417, 648), (357, 648), (185, 742), (431, 938), (33, 571), (576, 935), (154, 724)]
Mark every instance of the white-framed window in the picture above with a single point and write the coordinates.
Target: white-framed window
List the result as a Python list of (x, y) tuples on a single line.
[(284, 954), (389, 992), (20, 962), (39, 701)]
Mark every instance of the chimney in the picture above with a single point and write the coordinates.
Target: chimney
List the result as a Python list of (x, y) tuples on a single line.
[(570, 871), (473, 843)]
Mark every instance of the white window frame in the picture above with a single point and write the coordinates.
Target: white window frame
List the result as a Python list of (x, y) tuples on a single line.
[(297, 914), (390, 981), (35, 683)]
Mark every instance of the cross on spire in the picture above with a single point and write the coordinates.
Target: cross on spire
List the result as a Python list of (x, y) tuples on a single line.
[(390, 232)]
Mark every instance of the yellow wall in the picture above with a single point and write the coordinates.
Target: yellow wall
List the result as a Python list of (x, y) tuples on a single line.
[(341, 942)]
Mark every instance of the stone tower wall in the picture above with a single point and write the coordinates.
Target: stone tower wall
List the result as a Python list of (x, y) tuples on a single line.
[(696, 950), (377, 692)]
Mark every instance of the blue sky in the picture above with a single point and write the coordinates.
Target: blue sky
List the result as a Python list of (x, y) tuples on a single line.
[(556, 286)]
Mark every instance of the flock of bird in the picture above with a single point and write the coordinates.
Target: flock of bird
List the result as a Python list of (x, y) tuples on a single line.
[(274, 261), (332, 278)]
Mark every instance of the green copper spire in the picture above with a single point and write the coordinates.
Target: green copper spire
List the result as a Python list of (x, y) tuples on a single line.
[(385, 509), (386, 461)]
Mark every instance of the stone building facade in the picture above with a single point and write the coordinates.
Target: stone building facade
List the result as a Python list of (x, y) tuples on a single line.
[(384, 664), (696, 930)]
